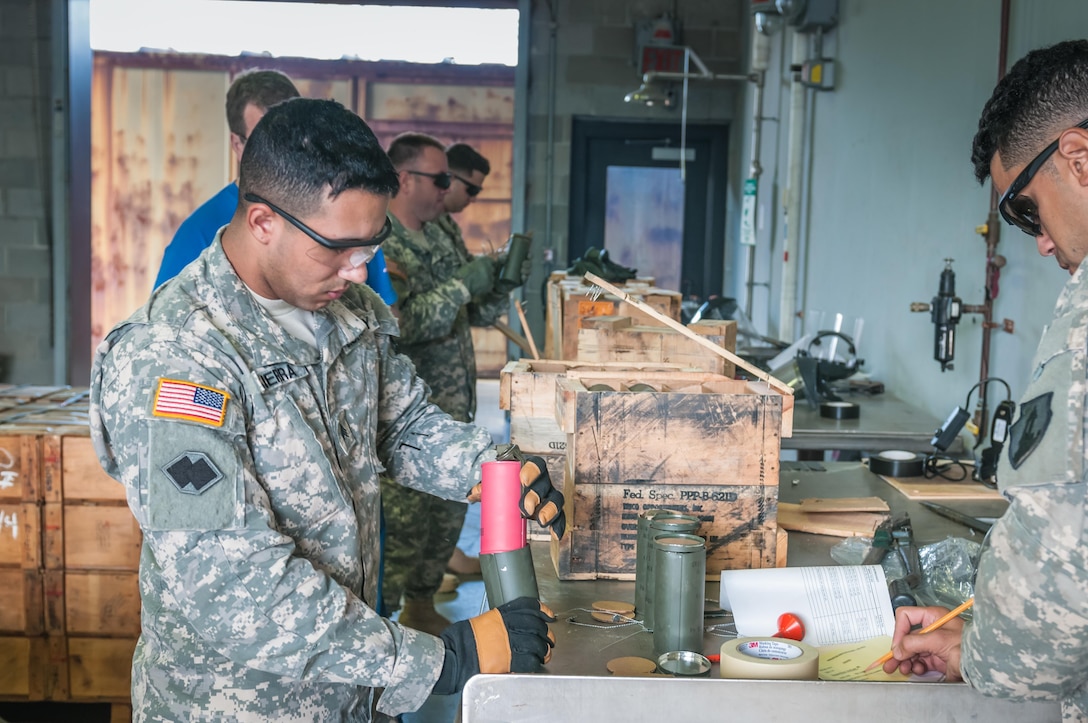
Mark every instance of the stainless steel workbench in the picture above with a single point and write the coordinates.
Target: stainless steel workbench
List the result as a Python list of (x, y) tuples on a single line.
[(577, 685), (886, 422)]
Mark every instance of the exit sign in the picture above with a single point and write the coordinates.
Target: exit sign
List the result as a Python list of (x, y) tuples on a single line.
[(662, 59)]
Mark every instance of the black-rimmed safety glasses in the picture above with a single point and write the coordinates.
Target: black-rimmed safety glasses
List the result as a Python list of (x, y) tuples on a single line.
[(1021, 211), (334, 244), (441, 180), (470, 188)]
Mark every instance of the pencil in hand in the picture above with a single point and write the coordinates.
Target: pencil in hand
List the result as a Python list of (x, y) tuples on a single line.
[(939, 622)]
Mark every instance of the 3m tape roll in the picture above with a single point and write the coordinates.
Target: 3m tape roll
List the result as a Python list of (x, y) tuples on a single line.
[(897, 463), (769, 659), (840, 410)]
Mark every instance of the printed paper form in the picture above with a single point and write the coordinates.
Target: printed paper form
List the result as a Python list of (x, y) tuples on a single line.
[(837, 604)]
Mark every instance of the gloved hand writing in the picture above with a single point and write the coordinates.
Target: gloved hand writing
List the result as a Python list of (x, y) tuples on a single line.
[(477, 275), (512, 638), (540, 501)]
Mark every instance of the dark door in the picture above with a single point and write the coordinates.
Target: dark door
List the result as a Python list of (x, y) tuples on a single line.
[(627, 196)]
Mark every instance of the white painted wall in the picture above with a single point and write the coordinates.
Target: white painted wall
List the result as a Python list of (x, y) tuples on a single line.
[(891, 191)]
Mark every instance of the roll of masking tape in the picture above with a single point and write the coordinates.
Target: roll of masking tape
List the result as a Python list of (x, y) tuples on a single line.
[(769, 659), (897, 463)]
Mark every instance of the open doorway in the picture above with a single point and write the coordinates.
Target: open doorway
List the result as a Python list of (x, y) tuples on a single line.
[(627, 196)]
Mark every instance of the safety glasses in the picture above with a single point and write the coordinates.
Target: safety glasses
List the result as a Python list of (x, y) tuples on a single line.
[(441, 180), (333, 253), (470, 188), (1021, 211)]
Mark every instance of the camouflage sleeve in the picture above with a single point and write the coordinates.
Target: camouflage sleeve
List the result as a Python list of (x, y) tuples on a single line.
[(232, 575), (420, 445), (1029, 634), (489, 309), (429, 314)]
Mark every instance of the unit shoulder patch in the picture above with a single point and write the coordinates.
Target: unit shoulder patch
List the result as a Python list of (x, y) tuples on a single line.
[(192, 472), (1027, 431)]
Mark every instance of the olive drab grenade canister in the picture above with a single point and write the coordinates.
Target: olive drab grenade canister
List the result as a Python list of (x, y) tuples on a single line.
[(651, 523)]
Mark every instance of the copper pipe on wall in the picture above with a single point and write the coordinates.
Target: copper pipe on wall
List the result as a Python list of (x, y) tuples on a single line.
[(992, 236)]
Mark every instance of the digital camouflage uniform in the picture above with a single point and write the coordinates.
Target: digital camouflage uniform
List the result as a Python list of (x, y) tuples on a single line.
[(1028, 637), (260, 536), (436, 314)]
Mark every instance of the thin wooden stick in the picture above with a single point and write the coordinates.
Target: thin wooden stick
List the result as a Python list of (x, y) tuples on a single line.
[(513, 336), (677, 326), (525, 328)]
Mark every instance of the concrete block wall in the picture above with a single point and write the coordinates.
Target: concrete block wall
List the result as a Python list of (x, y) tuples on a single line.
[(595, 66), (26, 342)]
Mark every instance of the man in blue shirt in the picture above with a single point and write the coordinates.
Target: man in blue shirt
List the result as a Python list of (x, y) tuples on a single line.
[(249, 97)]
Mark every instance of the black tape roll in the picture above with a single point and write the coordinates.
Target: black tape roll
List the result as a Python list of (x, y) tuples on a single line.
[(840, 410), (897, 463)]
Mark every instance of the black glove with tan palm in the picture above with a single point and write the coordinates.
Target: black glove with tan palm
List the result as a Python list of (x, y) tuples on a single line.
[(540, 501), (512, 638)]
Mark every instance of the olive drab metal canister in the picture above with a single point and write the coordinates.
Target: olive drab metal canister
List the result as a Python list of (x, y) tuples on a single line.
[(664, 522), (679, 592), (517, 251), (643, 550)]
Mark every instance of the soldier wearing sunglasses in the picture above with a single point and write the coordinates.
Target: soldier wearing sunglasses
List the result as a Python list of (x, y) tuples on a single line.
[(1028, 635), (442, 291)]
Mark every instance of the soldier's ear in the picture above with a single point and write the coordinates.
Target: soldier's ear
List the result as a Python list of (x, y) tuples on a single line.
[(263, 224), (1073, 153)]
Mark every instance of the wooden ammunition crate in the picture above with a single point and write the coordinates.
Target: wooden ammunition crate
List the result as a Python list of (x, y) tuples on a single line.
[(702, 443), (572, 299), (527, 391), (71, 570), (620, 339)]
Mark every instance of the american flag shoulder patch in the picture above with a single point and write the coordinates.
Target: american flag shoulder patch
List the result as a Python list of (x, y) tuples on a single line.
[(195, 402)]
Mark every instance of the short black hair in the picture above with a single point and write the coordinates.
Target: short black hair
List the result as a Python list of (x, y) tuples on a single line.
[(406, 147), (1044, 93), (305, 150), (463, 157), (262, 88)]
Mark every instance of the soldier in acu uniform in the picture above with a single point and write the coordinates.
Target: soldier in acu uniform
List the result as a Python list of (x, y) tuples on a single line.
[(1028, 637), (248, 408), (443, 291)]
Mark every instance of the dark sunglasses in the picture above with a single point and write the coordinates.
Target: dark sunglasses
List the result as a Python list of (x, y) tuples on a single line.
[(1021, 211), (441, 180), (470, 188), (328, 243)]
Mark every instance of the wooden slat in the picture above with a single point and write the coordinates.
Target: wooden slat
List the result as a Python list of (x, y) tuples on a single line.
[(100, 603), (920, 488), (836, 524), (100, 668), (20, 536), (99, 537), (21, 602), (84, 478), (844, 504), (19, 471)]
